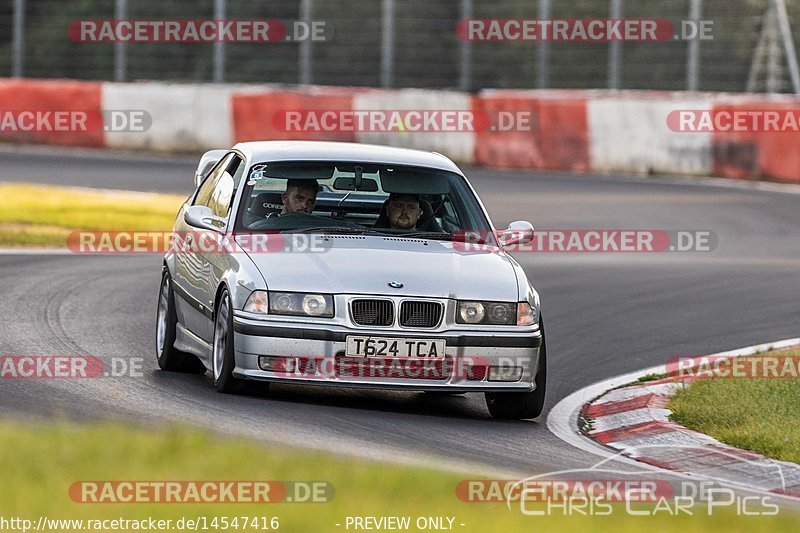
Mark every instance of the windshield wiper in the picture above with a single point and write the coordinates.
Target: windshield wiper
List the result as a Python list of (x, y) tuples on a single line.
[(327, 229), (433, 235)]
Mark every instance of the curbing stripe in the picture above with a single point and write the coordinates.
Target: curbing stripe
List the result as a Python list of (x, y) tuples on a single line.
[(632, 432), (626, 419), (35, 251), (637, 402), (643, 427), (628, 393), (651, 440)]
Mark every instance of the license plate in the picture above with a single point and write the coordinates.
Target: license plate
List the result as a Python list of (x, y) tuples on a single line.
[(394, 347)]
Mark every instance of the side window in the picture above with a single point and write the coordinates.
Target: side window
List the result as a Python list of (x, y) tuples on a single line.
[(207, 187), (222, 196)]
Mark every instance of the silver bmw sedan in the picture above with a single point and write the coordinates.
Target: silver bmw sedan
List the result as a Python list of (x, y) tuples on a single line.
[(349, 265)]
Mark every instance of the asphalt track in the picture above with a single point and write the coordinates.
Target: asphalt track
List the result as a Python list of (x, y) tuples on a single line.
[(607, 314)]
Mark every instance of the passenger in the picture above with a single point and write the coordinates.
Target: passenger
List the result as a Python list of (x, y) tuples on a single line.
[(403, 211), (300, 196)]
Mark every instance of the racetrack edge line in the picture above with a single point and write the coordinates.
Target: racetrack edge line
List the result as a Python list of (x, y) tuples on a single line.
[(562, 420)]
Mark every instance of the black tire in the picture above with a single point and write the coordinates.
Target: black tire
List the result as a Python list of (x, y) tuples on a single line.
[(224, 381), (222, 342), (522, 405), (169, 358)]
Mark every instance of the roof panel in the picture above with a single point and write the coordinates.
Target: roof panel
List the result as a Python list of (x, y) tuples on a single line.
[(342, 151)]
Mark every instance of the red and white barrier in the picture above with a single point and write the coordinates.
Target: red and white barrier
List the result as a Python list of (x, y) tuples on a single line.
[(752, 155), (35, 103), (572, 130), (533, 129), (263, 115), (629, 133), (184, 117)]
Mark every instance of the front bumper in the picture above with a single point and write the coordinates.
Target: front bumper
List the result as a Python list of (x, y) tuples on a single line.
[(318, 351)]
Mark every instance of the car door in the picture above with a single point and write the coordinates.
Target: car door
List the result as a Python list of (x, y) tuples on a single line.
[(192, 273), (215, 260)]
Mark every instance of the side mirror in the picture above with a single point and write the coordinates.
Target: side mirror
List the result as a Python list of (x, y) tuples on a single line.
[(207, 162), (519, 232), (201, 217)]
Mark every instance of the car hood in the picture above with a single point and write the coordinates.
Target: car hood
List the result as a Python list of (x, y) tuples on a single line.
[(354, 264)]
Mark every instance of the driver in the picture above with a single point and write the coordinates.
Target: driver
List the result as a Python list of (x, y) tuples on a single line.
[(300, 196), (403, 211)]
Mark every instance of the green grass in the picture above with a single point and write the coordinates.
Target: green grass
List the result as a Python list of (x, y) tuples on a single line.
[(40, 462), (43, 216), (651, 377), (762, 415)]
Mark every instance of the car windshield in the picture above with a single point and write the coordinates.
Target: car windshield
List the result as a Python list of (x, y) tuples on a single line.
[(359, 198)]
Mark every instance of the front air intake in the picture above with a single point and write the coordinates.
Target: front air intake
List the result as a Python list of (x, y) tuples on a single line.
[(419, 314), (372, 312)]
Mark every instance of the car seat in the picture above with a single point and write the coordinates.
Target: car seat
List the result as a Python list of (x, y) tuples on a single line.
[(261, 206)]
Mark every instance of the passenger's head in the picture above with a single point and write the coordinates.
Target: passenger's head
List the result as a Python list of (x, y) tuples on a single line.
[(300, 195), (403, 211)]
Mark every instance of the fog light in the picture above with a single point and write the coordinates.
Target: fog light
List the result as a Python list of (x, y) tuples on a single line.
[(277, 364), (505, 373)]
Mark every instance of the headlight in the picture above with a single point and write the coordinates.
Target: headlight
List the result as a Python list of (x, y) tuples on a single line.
[(470, 312), (290, 303), (316, 305), (497, 313), (294, 303)]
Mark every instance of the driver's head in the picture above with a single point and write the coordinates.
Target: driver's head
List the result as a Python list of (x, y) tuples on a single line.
[(403, 211), (300, 195)]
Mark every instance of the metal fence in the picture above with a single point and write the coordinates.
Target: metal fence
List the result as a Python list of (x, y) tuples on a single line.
[(413, 43)]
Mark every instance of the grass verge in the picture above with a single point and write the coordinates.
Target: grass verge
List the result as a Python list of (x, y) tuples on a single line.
[(651, 377), (758, 414), (43, 215), (42, 461)]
